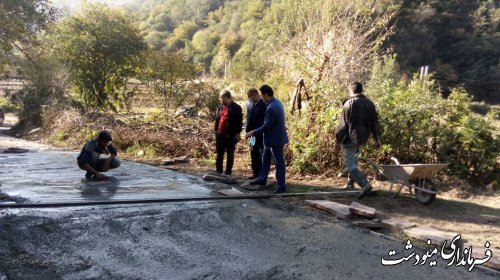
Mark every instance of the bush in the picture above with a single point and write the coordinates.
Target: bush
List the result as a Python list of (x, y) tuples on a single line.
[(419, 126)]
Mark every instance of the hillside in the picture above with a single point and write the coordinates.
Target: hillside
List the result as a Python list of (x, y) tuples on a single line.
[(458, 40)]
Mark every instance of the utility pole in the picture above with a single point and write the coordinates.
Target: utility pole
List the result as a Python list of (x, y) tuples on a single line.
[(424, 71)]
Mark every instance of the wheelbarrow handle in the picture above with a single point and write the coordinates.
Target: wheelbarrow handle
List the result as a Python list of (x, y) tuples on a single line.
[(373, 164)]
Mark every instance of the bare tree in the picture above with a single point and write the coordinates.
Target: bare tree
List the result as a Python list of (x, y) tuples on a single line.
[(332, 41)]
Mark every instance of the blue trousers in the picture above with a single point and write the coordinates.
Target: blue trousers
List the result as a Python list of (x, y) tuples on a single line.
[(276, 153), (351, 154)]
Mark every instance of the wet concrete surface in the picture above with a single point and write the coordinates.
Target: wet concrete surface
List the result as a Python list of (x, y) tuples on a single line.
[(45, 174), (232, 239)]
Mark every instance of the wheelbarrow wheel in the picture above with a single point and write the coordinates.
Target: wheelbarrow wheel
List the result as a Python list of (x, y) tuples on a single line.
[(424, 197)]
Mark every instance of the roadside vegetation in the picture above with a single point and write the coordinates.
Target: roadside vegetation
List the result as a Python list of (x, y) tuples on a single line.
[(151, 74)]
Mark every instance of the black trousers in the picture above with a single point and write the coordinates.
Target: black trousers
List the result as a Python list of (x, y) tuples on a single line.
[(256, 156), (224, 144)]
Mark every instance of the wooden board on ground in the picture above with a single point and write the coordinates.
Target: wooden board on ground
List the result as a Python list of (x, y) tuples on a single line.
[(338, 210), (226, 179), (372, 224), (230, 192), (246, 186), (436, 236), (478, 252), (397, 223), (362, 210)]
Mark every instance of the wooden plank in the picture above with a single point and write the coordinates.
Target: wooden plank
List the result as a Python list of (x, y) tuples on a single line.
[(478, 252), (230, 192), (372, 224), (436, 236), (397, 223), (362, 210), (338, 210), (246, 186), (219, 178)]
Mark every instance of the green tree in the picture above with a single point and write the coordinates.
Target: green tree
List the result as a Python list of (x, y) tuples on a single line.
[(102, 48), (458, 39), (171, 77), (20, 21)]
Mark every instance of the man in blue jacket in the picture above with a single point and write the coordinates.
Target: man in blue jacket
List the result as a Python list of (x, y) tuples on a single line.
[(275, 138), (89, 160), (256, 110)]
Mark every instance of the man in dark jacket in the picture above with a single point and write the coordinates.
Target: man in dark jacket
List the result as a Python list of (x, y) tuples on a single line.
[(275, 138), (89, 158), (359, 119), (256, 109), (228, 126)]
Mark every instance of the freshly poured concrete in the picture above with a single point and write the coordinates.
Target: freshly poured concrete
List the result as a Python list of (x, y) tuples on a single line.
[(44, 174)]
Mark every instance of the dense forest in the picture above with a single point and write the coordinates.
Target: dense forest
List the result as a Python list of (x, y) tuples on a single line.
[(131, 68), (458, 40)]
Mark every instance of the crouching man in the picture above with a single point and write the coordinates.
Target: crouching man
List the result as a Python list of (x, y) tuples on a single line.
[(89, 160)]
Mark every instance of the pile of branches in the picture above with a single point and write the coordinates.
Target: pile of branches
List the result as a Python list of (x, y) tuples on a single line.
[(190, 136), (186, 137)]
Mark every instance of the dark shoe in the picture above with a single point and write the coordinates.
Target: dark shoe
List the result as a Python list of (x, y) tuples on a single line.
[(279, 190), (349, 187), (365, 191), (257, 183), (228, 173), (89, 176), (253, 177)]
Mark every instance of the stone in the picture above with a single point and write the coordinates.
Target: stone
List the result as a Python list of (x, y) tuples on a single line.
[(362, 210), (436, 236), (13, 150), (397, 223), (140, 153), (168, 161), (338, 210), (492, 186), (34, 130), (183, 159), (230, 192)]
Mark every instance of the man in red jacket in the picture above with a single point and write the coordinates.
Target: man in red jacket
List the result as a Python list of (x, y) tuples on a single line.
[(228, 126)]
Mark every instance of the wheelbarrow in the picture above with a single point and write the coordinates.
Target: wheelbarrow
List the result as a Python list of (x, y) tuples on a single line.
[(414, 176)]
